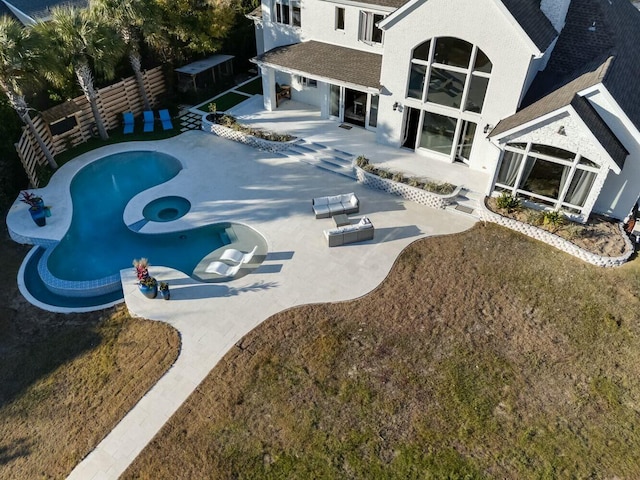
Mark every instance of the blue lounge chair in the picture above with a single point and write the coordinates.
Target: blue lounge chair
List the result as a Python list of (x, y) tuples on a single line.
[(128, 122), (149, 121), (165, 118)]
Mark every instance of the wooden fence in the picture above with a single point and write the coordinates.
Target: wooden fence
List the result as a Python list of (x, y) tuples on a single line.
[(123, 96)]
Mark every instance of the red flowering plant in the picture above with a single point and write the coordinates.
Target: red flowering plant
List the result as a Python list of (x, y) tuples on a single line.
[(142, 272), (31, 199)]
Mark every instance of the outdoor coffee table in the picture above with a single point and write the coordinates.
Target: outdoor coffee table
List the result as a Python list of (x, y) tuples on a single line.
[(341, 220)]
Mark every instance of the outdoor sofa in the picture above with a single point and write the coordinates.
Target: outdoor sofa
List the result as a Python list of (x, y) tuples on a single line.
[(325, 207), (359, 232)]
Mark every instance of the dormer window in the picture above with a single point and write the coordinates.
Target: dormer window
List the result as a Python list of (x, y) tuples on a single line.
[(369, 31), (287, 12)]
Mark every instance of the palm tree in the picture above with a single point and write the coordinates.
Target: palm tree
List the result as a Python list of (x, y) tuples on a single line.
[(127, 17), (17, 49), (80, 41)]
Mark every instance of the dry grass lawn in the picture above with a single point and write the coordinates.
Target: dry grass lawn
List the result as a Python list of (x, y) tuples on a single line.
[(482, 355), (66, 380)]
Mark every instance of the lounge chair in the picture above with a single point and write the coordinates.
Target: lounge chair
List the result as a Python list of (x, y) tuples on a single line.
[(223, 269), (149, 121), (236, 256), (165, 118), (128, 122)]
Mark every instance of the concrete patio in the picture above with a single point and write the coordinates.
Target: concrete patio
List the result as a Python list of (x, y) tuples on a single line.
[(225, 181)]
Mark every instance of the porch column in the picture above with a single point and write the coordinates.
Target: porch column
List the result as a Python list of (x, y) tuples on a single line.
[(268, 88)]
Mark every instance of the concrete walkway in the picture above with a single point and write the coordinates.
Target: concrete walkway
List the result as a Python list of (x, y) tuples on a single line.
[(230, 182)]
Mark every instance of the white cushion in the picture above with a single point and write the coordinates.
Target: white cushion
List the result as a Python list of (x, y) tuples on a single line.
[(320, 201), (364, 221), (333, 199)]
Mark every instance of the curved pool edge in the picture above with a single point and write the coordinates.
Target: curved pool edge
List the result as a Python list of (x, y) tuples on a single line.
[(22, 287)]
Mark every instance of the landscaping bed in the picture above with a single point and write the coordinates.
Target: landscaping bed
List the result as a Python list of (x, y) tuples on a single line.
[(600, 235)]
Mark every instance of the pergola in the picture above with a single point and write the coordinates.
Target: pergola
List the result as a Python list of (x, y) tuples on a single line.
[(196, 75)]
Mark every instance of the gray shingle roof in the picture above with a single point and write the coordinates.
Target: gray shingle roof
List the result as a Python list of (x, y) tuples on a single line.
[(386, 3), (556, 99), (599, 43), (319, 59), (600, 130), (535, 23)]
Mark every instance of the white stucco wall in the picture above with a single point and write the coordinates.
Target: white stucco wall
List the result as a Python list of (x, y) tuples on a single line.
[(276, 34), (620, 192), (322, 19), (479, 22)]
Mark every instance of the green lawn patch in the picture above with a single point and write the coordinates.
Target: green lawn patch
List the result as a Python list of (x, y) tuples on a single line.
[(254, 87), (224, 102)]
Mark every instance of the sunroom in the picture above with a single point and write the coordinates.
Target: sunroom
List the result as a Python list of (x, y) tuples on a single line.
[(559, 162)]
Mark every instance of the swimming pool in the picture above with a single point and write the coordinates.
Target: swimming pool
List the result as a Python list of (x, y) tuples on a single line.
[(98, 244)]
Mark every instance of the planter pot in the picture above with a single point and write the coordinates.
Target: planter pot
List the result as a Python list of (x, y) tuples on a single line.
[(165, 294), (149, 292), (39, 215)]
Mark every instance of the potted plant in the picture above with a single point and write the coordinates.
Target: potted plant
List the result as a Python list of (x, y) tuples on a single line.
[(36, 207), (164, 290), (146, 283)]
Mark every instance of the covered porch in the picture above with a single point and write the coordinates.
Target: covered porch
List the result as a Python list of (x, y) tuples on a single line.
[(343, 83)]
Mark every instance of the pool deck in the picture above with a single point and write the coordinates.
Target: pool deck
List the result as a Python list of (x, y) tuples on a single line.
[(225, 181)]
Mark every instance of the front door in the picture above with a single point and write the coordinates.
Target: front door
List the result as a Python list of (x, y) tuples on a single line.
[(411, 124)]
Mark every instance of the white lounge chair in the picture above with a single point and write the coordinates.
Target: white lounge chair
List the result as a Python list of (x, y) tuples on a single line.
[(223, 269), (236, 256)]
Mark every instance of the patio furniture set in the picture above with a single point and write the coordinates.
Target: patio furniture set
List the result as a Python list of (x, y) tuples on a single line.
[(339, 207), (149, 121)]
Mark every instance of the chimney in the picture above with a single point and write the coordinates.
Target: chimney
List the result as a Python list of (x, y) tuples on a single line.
[(555, 11)]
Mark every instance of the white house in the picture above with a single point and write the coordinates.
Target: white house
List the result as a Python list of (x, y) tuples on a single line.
[(542, 93)]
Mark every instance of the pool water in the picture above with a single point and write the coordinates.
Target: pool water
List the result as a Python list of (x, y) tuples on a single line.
[(99, 244), (166, 209)]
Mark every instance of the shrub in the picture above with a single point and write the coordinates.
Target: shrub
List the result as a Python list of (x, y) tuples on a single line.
[(574, 231), (362, 161), (382, 173), (533, 217), (508, 202), (553, 220), (369, 168), (415, 182), (398, 177), (441, 188)]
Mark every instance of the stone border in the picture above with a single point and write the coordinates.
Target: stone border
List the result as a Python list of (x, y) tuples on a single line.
[(418, 195), (557, 241), (250, 140)]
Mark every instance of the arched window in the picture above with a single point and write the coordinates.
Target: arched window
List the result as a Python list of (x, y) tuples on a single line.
[(451, 72)]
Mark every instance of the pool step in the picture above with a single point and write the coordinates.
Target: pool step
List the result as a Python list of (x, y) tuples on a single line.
[(321, 156)]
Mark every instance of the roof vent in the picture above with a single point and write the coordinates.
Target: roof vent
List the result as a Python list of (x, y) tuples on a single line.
[(592, 28)]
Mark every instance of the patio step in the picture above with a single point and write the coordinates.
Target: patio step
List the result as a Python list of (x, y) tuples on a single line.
[(324, 157), (468, 203)]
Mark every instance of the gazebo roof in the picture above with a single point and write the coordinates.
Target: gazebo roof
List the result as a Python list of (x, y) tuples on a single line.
[(203, 65)]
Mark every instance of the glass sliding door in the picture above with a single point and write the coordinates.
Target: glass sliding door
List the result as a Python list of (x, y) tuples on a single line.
[(465, 141), (334, 101), (355, 107)]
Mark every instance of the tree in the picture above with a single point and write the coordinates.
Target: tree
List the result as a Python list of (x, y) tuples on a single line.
[(191, 26), (17, 54), (80, 41), (127, 17)]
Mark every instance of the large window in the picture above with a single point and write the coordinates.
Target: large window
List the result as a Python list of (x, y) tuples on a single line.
[(287, 12), (369, 31), (546, 175), (451, 72)]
